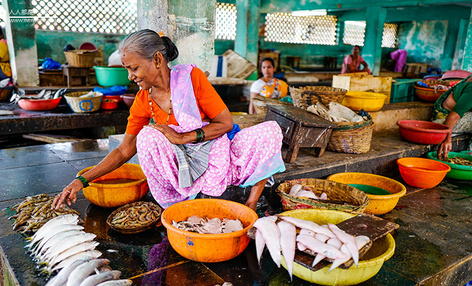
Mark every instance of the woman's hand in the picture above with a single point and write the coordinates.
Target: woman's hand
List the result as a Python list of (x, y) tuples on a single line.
[(69, 194), (445, 148), (173, 137)]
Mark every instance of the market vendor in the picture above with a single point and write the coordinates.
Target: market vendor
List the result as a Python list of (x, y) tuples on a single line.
[(452, 109), (183, 133), (267, 85), (352, 63), (5, 68)]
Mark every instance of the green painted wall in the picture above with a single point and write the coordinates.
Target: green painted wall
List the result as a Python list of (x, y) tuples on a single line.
[(51, 43)]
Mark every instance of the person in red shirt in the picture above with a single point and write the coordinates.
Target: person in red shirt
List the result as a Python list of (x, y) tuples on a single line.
[(183, 132)]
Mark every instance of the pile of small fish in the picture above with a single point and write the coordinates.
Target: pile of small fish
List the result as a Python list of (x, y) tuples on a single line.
[(459, 161), (322, 241), (33, 212), (298, 190), (206, 226), (135, 216), (43, 94), (62, 245)]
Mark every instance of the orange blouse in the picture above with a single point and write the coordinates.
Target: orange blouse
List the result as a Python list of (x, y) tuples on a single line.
[(209, 104)]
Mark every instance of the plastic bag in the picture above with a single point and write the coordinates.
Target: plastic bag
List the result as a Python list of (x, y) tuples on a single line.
[(114, 59), (50, 64), (113, 90)]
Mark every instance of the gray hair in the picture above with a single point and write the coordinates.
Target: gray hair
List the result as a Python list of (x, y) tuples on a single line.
[(147, 42)]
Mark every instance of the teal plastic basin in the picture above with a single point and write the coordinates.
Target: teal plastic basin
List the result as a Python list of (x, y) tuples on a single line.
[(370, 189), (459, 172), (110, 76)]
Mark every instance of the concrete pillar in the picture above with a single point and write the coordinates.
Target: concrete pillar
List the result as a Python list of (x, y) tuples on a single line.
[(467, 60), (189, 23), (450, 43), (372, 51), (21, 41), (247, 29)]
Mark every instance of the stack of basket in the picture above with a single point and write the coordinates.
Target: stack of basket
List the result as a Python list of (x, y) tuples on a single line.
[(305, 96), (81, 58)]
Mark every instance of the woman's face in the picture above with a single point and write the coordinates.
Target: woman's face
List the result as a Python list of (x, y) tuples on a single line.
[(267, 69), (140, 70), (356, 51)]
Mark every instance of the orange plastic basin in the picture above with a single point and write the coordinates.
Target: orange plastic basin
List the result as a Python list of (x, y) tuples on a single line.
[(422, 173), (208, 247), (124, 185), (378, 204)]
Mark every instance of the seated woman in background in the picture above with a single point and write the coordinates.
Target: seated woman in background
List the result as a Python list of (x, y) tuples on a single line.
[(5, 68), (353, 62), (452, 109), (267, 85)]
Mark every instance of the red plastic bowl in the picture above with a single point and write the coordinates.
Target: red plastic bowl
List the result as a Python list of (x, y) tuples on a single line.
[(117, 97), (39, 104), (109, 104), (422, 173), (423, 132), (428, 94)]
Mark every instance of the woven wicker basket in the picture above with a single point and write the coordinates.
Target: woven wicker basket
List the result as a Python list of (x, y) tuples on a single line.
[(84, 104), (306, 96), (353, 200), (157, 211), (81, 58), (351, 137)]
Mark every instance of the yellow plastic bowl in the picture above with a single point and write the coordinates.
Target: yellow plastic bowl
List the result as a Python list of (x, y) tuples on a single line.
[(369, 101), (369, 265), (113, 194), (208, 247), (379, 204)]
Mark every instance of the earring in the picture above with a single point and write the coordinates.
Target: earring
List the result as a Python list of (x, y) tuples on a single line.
[(158, 66)]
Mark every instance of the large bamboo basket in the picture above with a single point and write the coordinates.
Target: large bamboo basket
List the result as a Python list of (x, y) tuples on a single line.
[(341, 197), (83, 104), (351, 137), (305, 96), (81, 58)]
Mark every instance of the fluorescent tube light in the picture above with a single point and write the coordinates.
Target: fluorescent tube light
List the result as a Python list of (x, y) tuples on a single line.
[(320, 12)]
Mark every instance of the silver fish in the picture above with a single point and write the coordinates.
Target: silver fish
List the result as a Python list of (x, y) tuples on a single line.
[(89, 254), (288, 234), (347, 239), (320, 247), (80, 273), (62, 236), (61, 277), (59, 228), (63, 219), (122, 282), (101, 277), (260, 243), (271, 234), (300, 223), (361, 240), (71, 241), (89, 245)]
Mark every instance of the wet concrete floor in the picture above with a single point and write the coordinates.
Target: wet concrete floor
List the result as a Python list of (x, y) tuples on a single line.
[(433, 243)]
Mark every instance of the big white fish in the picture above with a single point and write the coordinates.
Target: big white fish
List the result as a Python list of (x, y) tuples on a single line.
[(89, 254), (122, 282), (361, 240), (321, 237), (319, 247), (260, 243), (288, 234), (271, 234), (54, 231), (54, 240), (61, 277), (88, 245), (348, 240), (95, 279), (300, 223), (52, 223), (71, 241), (331, 241), (79, 274), (294, 189)]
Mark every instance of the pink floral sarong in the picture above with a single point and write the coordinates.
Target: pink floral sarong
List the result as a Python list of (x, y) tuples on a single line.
[(252, 155)]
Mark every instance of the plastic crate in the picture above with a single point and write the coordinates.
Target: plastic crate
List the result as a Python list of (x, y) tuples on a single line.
[(403, 90)]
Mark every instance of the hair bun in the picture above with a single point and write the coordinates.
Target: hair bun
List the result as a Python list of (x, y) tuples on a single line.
[(172, 51)]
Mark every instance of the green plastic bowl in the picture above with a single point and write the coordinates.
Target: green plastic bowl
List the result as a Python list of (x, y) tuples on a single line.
[(110, 76), (459, 172), (370, 189)]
